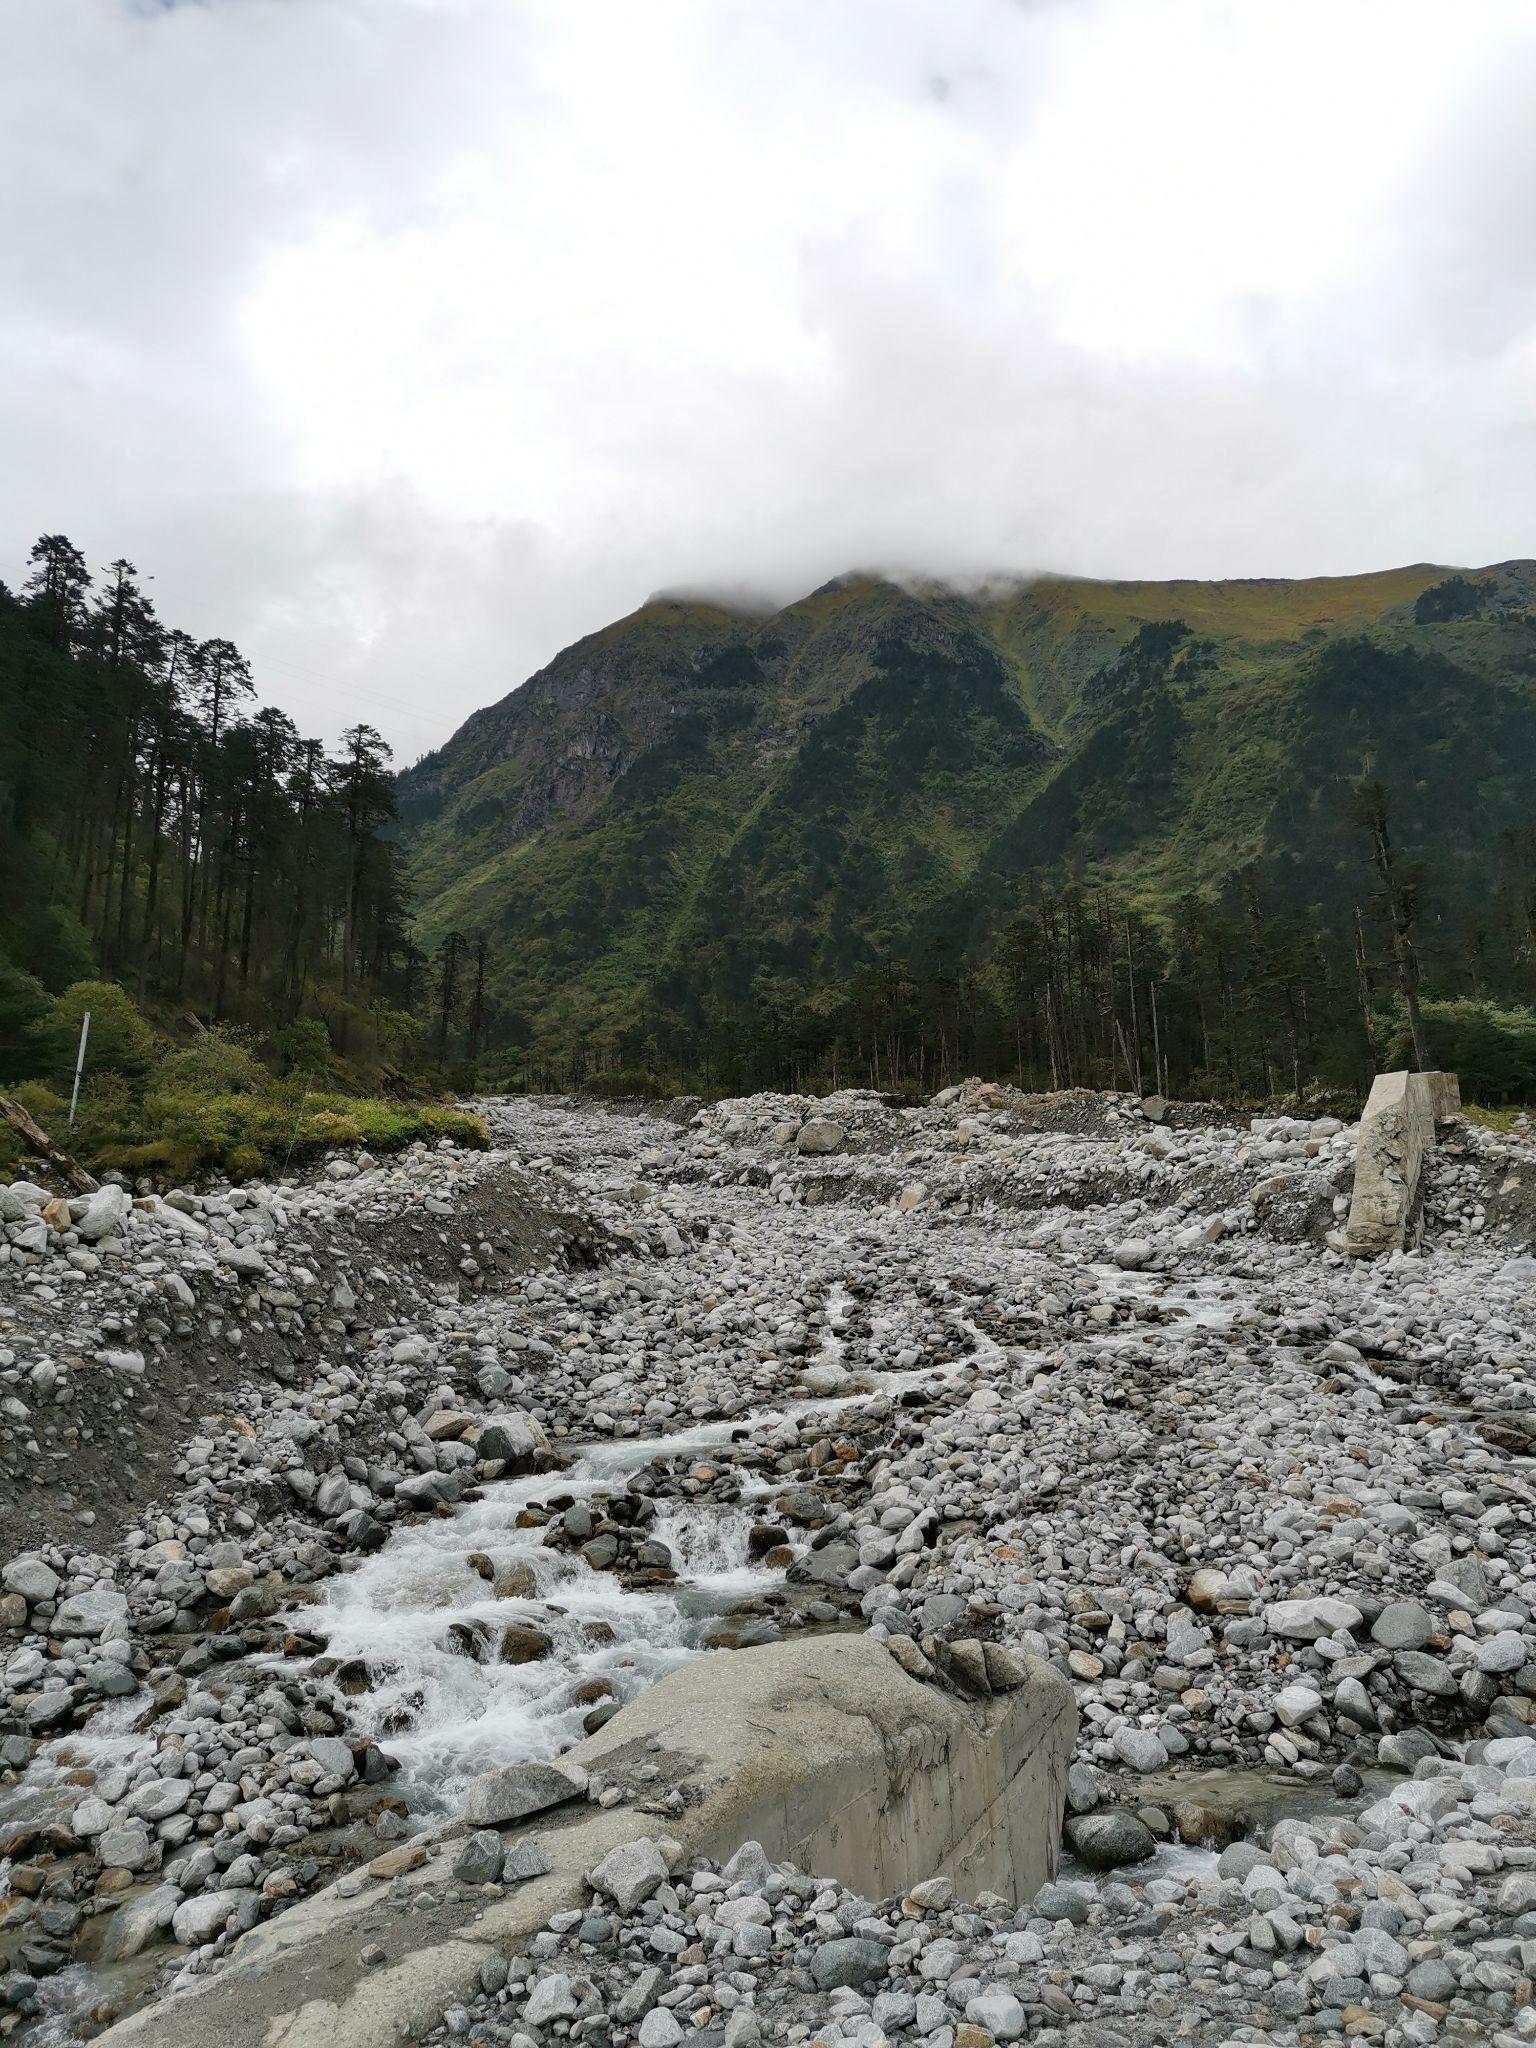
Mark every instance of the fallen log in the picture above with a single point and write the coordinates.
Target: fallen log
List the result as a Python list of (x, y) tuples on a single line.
[(63, 1163)]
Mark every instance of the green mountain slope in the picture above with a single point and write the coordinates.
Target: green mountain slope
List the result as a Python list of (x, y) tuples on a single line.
[(704, 814)]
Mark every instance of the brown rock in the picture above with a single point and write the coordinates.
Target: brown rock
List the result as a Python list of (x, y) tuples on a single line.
[(523, 1644), (1205, 1588), (226, 1580), (447, 1425)]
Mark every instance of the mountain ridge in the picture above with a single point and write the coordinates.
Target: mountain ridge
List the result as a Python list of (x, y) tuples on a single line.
[(700, 809)]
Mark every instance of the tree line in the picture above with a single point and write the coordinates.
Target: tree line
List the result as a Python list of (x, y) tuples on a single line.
[(1246, 999), (156, 825)]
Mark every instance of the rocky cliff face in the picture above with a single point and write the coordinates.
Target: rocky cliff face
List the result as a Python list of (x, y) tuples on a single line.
[(707, 806)]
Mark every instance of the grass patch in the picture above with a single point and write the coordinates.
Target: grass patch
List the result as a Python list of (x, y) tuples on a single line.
[(266, 1131), (1492, 1119), (182, 1135)]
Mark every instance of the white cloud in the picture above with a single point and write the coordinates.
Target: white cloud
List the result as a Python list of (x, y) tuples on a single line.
[(405, 340)]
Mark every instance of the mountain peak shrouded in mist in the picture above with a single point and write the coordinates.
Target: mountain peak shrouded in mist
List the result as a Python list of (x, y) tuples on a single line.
[(703, 810), (454, 328)]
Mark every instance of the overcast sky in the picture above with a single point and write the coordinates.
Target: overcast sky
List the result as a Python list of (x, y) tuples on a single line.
[(403, 341)]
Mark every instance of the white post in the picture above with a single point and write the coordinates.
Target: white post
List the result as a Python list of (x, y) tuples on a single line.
[(74, 1097)]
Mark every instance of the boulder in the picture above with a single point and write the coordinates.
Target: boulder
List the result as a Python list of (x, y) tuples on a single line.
[(1308, 1621), (199, 1919), (512, 1439), (105, 1215), (630, 1873), (850, 1962), (1106, 1841), (1426, 1674), (516, 1790), (1141, 1749), (479, 1860), (821, 1136), (523, 1860), (1402, 1625), (135, 1925), (1397, 1130), (90, 1613), (31, 1578)]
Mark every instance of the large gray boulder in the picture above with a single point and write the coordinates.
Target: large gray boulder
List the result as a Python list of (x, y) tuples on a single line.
[(31, 1578), (821, 1135), (1106, 1841), (517, 1790), (630, 1873), (514, 1439), (90, 1613), (1308, 1621), (105, 1215)]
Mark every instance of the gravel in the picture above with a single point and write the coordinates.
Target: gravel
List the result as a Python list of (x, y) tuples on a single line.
[(1090, 1387)]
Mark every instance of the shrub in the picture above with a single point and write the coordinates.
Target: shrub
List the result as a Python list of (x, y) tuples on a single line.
[(42, 1104), (303, 1049), (45, 1108), (401, 1038), (1455, 598), (186, 1116), (218, 1063), (251, 1134), (120, 1039), (1492, 1051), (331, 1127)]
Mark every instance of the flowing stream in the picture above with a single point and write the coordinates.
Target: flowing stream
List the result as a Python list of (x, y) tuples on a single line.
[(427, 1624), (449, 1713)]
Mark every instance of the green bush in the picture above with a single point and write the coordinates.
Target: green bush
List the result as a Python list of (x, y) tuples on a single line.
[(41, 1103), (1491, 1051), (45, 1108), (1455, 598), (402, 1039), (218, 1063), (303, 1049), (182, 1132), (120, 1039), (110, 1112)]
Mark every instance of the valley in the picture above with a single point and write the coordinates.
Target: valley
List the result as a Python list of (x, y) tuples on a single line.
[(1010, 1384)]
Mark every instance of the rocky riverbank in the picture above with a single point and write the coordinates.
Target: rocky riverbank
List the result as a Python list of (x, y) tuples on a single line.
[(321, 1498)]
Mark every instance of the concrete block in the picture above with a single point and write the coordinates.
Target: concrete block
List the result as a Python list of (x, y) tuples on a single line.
[(826, 1752), (1397, 1129), (1444, 1097)]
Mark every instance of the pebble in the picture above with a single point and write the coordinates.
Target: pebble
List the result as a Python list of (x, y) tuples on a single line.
[(1115, 1406)]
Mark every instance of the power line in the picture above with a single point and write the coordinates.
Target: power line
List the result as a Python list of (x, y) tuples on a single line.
[(330, 683), (373, 698)]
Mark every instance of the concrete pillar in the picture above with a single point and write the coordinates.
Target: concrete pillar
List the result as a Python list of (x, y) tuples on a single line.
[(1397, 1132)]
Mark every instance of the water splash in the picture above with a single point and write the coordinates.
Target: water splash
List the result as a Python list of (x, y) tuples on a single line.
[(429, 1629)]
